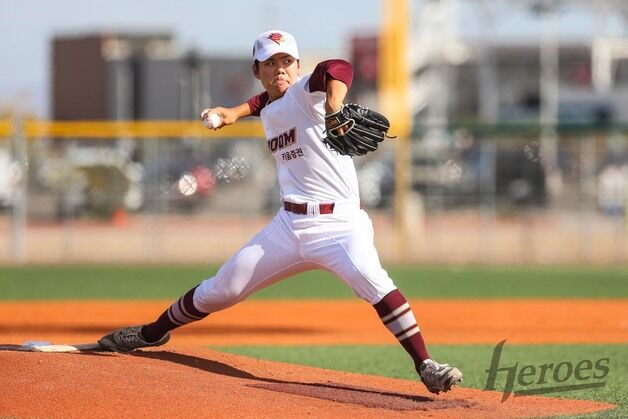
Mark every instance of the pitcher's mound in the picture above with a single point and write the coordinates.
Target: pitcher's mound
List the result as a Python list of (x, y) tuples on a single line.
[(180, 382)]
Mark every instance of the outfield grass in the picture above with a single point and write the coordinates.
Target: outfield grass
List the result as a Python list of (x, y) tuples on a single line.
[(151, 282), (473, 360)]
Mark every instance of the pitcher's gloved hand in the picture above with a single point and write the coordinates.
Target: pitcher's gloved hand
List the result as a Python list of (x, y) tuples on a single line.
[(355, 130)]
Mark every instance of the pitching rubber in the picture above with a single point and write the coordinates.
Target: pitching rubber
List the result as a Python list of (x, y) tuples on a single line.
[(93, 346)]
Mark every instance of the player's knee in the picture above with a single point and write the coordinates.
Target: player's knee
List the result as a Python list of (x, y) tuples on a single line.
[(217, 298), (371, 285), (232, 293)]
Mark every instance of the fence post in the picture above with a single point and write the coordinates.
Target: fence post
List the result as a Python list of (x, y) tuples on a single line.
[(20, 189), (488, 191)]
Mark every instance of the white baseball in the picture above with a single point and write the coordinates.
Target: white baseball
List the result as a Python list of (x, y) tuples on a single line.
[(213, 120)]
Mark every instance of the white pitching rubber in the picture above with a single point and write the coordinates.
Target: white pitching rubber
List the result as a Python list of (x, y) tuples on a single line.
[(64, 348)]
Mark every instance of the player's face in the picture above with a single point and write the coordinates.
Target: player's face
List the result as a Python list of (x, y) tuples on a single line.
[(277, 74)]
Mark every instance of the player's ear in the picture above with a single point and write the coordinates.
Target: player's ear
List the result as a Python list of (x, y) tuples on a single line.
[(255, 68)]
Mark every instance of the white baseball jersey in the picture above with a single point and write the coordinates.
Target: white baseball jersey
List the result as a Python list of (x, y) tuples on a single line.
[(340, 241), (307, 170)]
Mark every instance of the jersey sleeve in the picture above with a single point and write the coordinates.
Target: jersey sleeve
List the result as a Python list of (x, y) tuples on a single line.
[(335, 69), (257, 103)]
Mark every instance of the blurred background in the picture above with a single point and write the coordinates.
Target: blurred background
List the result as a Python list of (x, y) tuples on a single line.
[(511, 119)]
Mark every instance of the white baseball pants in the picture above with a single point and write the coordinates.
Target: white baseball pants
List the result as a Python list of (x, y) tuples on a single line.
[(341, 243)]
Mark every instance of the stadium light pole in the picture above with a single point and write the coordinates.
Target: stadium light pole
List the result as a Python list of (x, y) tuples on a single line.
[(393, 88)]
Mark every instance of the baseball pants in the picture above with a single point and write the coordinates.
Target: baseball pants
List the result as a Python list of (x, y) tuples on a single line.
[(341, 243)]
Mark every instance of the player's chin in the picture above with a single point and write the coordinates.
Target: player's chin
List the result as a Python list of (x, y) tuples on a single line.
[(281, 83), (279, 89)]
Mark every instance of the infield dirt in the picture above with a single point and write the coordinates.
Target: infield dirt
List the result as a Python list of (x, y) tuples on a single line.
[(326, 322), (189, 381), (183, 382)]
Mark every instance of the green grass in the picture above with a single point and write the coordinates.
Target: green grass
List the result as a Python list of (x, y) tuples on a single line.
[(474, 360), (151, 282)]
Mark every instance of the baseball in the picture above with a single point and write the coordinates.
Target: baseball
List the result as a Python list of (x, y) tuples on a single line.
[(213, 120)]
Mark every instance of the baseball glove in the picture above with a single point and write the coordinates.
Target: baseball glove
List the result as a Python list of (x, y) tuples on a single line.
[(355, 130)]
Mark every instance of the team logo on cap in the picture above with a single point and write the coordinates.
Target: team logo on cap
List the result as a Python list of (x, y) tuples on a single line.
[(276, 37)]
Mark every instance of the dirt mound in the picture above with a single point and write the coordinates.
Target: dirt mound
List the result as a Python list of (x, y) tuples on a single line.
[(184, 382)]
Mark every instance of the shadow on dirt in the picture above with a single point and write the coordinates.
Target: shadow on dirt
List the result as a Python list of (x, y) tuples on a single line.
[(342, 393), (197, 330)]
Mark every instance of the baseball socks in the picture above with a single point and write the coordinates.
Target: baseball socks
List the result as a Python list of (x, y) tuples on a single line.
[(397, 316), (180, 313)]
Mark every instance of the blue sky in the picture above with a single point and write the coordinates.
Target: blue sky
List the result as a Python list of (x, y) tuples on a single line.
[(220, 27)]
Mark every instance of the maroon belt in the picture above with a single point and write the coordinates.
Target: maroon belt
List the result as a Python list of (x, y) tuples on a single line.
[(302, 208)]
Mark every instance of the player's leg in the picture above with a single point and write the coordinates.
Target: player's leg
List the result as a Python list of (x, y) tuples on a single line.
[(396, 314), (263, 261), (270, 256), (350, 254)]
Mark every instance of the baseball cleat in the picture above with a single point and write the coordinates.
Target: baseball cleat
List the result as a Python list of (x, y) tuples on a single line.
[(128, 339), (438, 377)]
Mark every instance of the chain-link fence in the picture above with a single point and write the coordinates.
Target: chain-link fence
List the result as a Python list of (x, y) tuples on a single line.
[(156, 194), (509, 195)]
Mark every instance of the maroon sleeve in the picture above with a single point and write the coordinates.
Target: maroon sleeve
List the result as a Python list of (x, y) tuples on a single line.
[(257, 103), (331, 69)]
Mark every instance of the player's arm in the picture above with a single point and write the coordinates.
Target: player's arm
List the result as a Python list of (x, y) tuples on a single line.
[(336, 93), (228, 116), (251, 107), (333, 77)]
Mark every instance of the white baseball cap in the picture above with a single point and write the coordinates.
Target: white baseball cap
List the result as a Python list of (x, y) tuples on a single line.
[(271, 42)]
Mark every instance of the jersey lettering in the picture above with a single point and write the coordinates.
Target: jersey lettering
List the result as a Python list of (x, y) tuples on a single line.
[(282, 140), (292, 154)]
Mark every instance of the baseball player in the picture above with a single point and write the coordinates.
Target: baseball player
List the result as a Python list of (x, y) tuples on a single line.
[(320, 224)]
